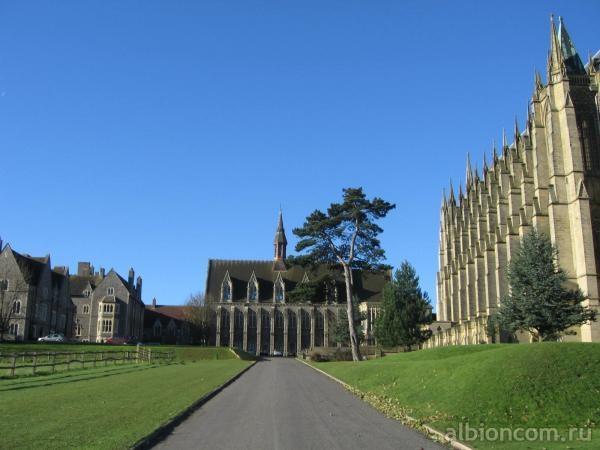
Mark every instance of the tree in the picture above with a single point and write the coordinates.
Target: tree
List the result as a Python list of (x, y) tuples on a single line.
[(346, 236), (341, 333), (405, 310), (10, 293), (200, 318), (539, 302)]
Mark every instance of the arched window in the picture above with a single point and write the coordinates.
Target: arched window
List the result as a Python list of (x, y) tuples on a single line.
[(78, 330), (86, 309), (17, 307), (226, 288), (14, 329), (253, 288), (157, 329), (110, 291), (279, 290)]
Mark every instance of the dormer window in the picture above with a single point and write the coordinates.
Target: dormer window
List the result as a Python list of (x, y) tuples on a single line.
[(86, 293), (226, 288), (253, 288), (279, 290)]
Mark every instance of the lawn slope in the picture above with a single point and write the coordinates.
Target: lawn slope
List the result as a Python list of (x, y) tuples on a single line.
[(550, 385), (108, 408)]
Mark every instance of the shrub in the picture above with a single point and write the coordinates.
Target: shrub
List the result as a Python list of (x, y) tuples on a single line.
[(319, 357), (340, 354)]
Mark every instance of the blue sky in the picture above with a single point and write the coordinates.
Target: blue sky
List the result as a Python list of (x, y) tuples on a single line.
[(160, 134)]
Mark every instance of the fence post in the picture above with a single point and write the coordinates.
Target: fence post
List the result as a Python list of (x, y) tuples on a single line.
[(83, 360), (14, 364), (150, 356), (34, 362), (53, 363), (68, 361), (137, 355)]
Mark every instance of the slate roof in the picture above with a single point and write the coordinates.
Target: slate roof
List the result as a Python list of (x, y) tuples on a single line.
[(368, 285), (79, 284), (164, 314), (31, 268)]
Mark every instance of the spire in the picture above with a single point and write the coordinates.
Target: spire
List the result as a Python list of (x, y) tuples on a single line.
[(452, 193), (571, 59), (516, 131), (280, 241), (504, 140), (469, 173), (555, 55)]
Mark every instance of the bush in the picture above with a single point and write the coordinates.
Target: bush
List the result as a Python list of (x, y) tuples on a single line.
[(318, 356), (342, 354)]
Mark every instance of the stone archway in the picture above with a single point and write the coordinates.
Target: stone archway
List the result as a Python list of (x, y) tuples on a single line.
[(251, 332), (265, 332), (278, 330), (292, 332)]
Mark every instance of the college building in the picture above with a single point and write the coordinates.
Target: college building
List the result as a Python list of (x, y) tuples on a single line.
[(278, 307), (548, 178)]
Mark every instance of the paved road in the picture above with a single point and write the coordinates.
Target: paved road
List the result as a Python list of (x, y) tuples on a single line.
[(283, 404)]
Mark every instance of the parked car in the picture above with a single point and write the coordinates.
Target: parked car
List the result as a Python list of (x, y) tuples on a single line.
[(127, 340), (53, 337), (277, 353)]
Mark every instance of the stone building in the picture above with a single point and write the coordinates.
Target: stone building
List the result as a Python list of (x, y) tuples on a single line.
[(166, 324), (35, 297), (107, 305), (547, 178), (259, 306)]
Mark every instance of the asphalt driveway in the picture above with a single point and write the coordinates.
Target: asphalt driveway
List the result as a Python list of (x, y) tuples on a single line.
[(283, 404)]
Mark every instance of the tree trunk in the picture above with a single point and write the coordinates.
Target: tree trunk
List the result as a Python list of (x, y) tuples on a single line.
[(350, 312)]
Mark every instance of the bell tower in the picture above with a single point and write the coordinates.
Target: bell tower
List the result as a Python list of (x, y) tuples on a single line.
[(280, 242)]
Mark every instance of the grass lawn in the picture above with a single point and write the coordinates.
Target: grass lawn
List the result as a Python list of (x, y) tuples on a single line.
[(108, 408), (550, 385)]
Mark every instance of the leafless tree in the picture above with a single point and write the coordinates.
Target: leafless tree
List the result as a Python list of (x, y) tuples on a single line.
[(200, 318), (10, 294)]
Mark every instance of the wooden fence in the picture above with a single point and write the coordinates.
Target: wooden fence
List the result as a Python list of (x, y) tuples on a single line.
[(20, 363)]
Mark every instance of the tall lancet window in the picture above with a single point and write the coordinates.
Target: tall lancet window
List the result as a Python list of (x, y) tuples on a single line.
[(279, 289), (253, 288), (226, 288)]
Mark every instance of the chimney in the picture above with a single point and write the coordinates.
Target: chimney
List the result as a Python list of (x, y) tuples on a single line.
[(138, 287), (154, 303), (131, 277), (102, 273), (0, 244), (83, 269)]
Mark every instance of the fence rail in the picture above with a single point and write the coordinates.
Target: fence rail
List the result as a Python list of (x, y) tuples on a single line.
[(11, 363)]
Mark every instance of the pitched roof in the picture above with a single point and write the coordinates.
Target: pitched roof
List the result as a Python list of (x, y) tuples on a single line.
[(80, 283), (368, 285), (31, 268), (162, 313)]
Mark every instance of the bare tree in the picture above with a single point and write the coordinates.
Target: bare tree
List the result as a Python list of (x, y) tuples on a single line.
[(10, 295), (200, 318)]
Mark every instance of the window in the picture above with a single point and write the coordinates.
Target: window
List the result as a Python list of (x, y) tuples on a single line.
[(107, 308), (42, 311), (107, 326), (110, 291), (4, 285), (226, 288), (279, 290), (17, 307), (86, 309), (78, 330), (14, 329), (86, 293), (157, 329), (253, 288)]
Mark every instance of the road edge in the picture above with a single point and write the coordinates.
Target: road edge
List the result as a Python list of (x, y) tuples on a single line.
[(445, 438), (165, 429)]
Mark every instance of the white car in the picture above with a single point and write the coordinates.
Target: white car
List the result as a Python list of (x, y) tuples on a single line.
[(277, 353), (53, 337)]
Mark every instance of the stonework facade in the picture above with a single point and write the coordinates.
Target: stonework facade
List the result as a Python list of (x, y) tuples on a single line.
[(107, 305), (35, 297), (256, 308), (547, 178)]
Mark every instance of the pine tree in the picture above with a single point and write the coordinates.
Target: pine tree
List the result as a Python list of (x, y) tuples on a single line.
[(539, 302), (405, 310)]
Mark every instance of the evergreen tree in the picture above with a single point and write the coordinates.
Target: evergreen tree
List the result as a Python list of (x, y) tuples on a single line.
[(405, 310), (341, 333), (347, 236), (538, 301)]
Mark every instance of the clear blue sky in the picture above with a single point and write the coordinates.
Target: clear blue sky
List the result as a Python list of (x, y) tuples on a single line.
[(160, 134)]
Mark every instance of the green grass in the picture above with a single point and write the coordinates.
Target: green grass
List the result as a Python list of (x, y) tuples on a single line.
[(550, 385), (182, 352), (108, 408)]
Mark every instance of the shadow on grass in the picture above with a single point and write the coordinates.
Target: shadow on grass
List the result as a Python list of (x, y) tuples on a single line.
[(32, 383)]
